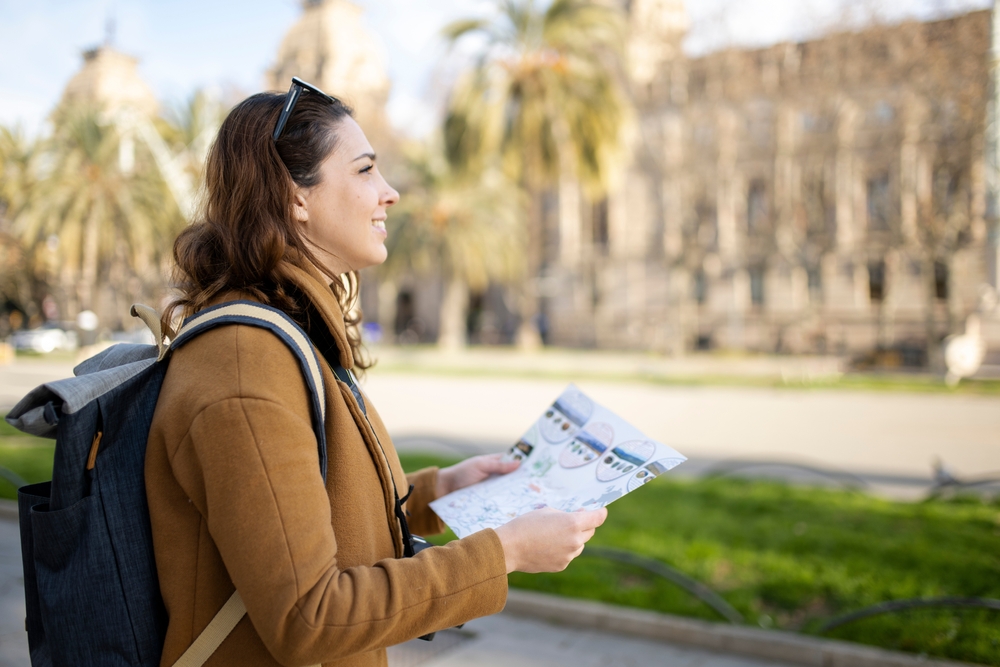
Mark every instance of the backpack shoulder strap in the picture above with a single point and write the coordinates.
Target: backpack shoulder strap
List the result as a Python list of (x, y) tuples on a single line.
[(214, 633), (251, 313)]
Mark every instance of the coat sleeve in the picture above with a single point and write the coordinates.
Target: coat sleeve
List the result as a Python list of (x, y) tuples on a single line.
[(251, 459), (422, 519)]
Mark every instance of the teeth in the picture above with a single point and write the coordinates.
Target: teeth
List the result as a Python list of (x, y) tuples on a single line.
[(379, 223)]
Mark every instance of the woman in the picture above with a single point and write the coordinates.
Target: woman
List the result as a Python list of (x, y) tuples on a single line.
[(295, 206)]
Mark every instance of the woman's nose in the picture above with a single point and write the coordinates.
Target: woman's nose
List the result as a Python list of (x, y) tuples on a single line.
[(389, 195)]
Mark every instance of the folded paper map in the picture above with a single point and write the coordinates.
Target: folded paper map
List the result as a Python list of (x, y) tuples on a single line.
[(578, 455)]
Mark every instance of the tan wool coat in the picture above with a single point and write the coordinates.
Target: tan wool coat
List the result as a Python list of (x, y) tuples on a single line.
[(236, 501)]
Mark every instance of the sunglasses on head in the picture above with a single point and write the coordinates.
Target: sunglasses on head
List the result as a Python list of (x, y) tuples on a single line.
[(298, 85)]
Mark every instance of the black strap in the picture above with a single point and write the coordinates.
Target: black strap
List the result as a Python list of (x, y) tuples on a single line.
[(347, 377), (403, 524)]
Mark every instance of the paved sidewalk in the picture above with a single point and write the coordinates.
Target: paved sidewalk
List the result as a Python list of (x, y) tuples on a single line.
[(13, 639), (505, 640), (895, 433)]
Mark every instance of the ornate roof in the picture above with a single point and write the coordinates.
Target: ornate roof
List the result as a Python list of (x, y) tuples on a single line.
[(109, 80)]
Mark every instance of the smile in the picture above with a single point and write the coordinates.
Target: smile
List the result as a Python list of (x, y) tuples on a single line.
[(379, 224)]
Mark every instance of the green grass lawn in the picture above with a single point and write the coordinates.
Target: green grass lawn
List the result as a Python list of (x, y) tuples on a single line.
[(921, 383), (28, 457), (791, 557), (785, 557)]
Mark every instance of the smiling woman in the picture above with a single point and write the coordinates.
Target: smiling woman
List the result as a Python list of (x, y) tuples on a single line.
[(327, 570)]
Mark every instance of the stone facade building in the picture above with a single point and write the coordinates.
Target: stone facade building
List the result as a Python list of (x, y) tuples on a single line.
[(822, 196)]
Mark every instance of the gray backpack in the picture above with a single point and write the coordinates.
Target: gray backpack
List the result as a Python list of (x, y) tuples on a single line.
[(90, 582)]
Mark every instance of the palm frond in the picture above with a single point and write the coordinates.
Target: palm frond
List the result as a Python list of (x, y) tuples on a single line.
[(456, 30)]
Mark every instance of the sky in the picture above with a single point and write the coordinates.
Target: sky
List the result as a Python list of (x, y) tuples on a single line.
[(184, 45)]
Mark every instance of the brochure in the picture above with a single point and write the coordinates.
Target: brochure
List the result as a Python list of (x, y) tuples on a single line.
[(578, 455)]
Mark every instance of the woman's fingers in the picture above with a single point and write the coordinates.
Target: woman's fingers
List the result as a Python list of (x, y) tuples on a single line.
[(472, 471), (547, 540), (493, 464)]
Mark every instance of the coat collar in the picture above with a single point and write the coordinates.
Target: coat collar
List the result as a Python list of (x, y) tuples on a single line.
[(317, 289)]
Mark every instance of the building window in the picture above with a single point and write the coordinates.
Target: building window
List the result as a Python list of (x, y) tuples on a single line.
[(814, 277), (707, 224), (946, 189), (757, 285), (814, 123), (820, 212), (699, 287), (876, 281), (883, 113), (879, 203), (406, 325), (600, 225), (697, 83), (940, 281), (757, 209), (760, 129)]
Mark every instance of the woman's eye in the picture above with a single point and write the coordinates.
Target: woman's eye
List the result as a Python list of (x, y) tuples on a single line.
[(367, 169)]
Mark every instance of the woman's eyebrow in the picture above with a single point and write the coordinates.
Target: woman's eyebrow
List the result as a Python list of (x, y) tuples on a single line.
[(370, 156)]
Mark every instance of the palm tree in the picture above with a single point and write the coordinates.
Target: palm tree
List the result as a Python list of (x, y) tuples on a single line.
[(99, 208), (545, 99), (465, 230), (18, 157), (187, 133), (191, 127)]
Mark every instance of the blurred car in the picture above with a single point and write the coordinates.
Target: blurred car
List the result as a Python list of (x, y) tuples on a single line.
[(138, 335), (46, 338)]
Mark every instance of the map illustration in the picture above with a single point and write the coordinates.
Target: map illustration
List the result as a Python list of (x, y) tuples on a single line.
[(578, 455)]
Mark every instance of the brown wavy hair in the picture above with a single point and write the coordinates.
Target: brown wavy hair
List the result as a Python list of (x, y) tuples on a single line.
[(245, 236)]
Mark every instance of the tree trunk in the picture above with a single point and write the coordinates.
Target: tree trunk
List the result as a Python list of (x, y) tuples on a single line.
[(88, 272), (935, 355), (528, 336), (454, 308)]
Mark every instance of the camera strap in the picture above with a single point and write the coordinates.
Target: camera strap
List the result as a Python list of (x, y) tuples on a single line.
[(347, 377), (403, 523)]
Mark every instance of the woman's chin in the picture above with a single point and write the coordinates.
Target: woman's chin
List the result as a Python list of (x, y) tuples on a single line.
[(377, 257)]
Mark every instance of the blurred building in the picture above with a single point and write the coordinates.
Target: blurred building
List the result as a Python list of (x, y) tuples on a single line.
[(330, 47), (108, 80), (822, 196)]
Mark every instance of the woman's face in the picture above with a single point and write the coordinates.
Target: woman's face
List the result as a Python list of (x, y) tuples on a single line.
[(344, 214)]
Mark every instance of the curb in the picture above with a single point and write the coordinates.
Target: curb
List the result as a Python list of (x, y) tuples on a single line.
[(787, 647)]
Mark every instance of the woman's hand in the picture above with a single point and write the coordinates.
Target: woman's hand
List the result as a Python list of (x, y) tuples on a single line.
[(472, 471), (546, 540)]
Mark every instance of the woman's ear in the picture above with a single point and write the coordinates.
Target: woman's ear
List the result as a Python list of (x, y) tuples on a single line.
[(300, 208)]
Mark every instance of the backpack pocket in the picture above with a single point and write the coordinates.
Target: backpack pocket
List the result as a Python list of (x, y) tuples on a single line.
[(79, 588), (28, 497)]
